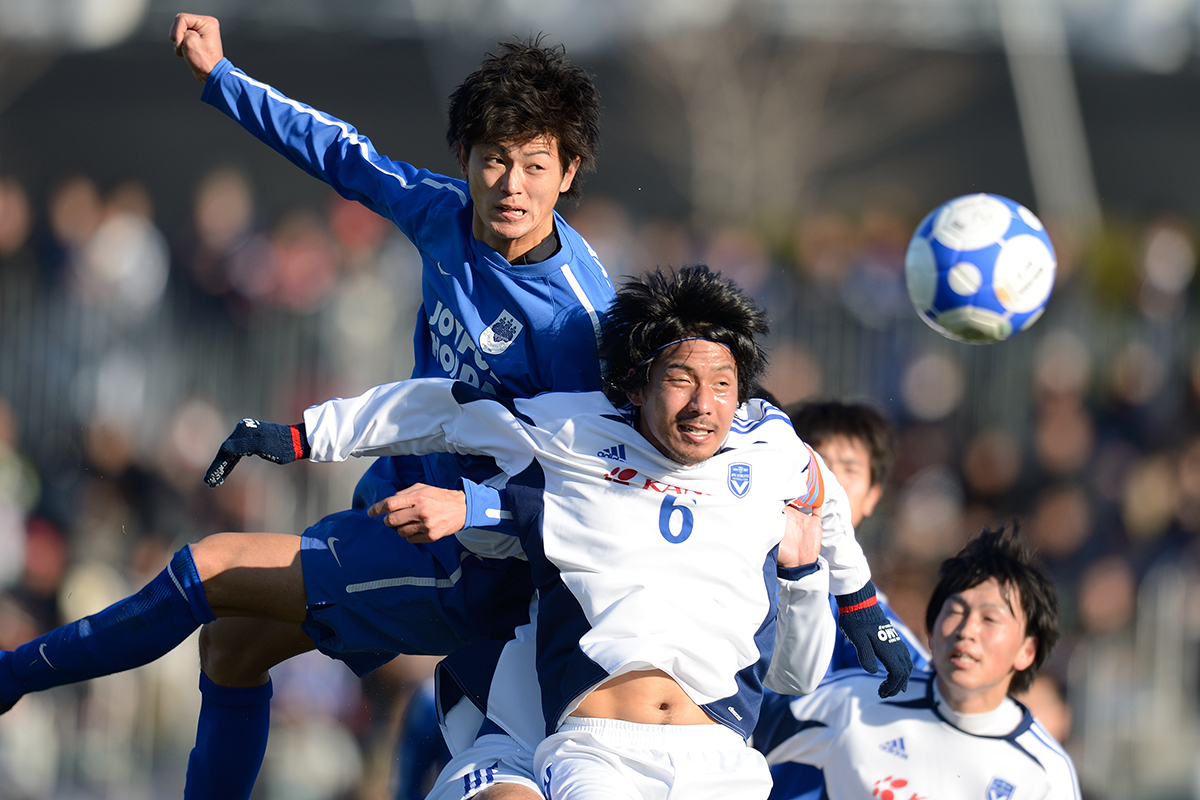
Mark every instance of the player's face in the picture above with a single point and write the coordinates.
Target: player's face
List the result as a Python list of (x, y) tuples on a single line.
[(850, 461), (514, 188), (687, 408), (978, 644)]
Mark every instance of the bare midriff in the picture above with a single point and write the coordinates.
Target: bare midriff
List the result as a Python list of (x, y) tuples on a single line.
[(650, 697)]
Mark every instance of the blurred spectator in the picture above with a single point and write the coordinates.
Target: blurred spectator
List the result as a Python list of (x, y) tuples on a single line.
[(928, 516), (741, 256), (1064, 438), (607, 227), (1060, 522), (305, 264), (1107, 593), (1166, 267), (16, 218), (793, 372), (222, 219), (824, 247), (123, 265), (933, 386), (75, 211), (311, 754), (991, 463), (874, 291), (1150, 499)]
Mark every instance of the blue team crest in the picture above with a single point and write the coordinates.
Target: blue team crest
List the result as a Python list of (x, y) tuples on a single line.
[(1000, 790), (739, 479), (496, 337)]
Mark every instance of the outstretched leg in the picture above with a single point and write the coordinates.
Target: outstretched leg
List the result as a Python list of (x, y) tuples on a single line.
[(235, 711), (230, 574), (127, 634)]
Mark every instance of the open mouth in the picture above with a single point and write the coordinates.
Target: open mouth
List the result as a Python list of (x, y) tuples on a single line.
[(962, 660), (694, 433)]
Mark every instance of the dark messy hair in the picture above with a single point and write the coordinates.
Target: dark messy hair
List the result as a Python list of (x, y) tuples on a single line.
[(817, 421), (524, 91), (1003, 556), (666, 305)]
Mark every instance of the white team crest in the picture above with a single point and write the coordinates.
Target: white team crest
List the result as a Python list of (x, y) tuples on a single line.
[(496, 337), (1000, 790), (739, 479)]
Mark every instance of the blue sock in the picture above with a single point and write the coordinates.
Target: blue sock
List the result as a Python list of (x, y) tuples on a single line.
[(127, 634), (231, 739)]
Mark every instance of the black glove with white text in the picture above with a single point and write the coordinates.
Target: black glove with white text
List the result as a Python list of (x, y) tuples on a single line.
[(282, 444), (873, 636)]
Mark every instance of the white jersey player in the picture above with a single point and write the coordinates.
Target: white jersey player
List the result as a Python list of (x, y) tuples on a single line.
[(655, 534), (956, 733)]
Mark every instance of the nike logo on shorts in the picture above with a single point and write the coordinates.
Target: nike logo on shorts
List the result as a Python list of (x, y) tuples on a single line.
[(330, 542)]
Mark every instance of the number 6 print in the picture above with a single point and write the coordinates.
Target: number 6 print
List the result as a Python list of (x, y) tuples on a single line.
[(686, 518)]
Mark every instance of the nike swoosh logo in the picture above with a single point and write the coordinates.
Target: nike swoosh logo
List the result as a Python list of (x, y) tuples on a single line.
[(42, 653), (330, 542), (439, 266)]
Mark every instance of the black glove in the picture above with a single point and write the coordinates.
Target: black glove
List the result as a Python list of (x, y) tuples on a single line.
[(282, 444), (872, 634)]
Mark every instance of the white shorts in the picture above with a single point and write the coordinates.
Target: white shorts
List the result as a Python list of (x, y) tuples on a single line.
[(494, 758), (603, 759)]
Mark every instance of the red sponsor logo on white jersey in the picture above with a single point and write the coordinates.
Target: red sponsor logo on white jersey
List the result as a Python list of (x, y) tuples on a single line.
[(628, 476)]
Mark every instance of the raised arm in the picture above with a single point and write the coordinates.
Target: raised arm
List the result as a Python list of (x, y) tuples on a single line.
[(320, 144), (859, 616), (197, 40), (805, 633)]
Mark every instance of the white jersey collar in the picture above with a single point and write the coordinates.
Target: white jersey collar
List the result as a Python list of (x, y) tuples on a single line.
[(1000, 721)]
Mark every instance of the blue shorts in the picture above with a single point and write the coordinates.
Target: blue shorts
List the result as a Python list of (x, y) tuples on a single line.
[(373, 595)]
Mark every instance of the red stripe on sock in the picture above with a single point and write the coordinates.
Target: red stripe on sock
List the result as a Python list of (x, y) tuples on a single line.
[(297, 447), (860, 606)]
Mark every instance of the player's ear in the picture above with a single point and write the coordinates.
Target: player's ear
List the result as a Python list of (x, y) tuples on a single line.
[(1026, 654), (464, 153), (569, 175), (872, 498), (636, 398)]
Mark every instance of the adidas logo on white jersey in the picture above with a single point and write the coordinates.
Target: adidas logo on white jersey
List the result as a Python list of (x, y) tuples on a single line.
[(614, 453), (895, 747)]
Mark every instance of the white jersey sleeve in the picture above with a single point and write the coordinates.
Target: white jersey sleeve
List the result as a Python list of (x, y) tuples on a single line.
[(814, 485), (848, 568), (427, 415), (805, 632)]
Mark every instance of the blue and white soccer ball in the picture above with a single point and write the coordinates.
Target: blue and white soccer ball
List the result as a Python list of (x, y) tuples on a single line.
[(980, 268)]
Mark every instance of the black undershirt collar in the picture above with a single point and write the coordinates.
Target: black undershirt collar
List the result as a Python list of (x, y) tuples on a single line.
[(541, 251)]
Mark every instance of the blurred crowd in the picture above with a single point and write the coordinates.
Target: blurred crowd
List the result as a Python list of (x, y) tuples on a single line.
[(128, 352)]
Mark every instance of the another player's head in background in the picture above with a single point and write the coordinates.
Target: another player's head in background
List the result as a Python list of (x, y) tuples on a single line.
[(525, 91), (857, 443), (993, 621), (683, 347)]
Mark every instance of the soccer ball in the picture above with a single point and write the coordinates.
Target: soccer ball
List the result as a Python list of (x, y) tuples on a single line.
[(980, 268)]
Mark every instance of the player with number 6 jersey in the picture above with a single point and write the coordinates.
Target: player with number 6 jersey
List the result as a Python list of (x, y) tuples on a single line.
[(641, 562)]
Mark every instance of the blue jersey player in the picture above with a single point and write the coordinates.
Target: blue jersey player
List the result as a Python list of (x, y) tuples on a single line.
[(510, 302)]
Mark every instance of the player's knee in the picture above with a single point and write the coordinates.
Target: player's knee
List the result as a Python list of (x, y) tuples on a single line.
[(214, 554), (225, 658)]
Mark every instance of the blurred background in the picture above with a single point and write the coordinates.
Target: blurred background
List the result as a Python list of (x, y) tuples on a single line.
[(162, 275)]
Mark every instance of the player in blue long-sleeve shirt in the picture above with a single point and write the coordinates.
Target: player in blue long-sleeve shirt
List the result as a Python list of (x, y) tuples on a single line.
[(511, 297)]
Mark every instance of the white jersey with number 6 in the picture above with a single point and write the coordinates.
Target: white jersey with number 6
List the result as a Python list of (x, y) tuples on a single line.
[(640, 562)]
